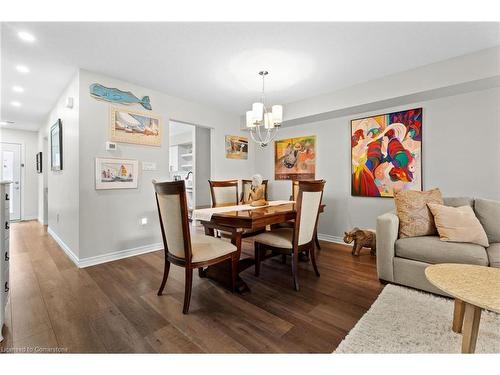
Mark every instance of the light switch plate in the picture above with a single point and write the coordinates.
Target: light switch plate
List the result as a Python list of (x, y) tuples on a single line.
[(111, 146), (148, 166)]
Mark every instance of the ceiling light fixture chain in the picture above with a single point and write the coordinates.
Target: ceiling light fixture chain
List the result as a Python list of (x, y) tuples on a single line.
[(260, 115)]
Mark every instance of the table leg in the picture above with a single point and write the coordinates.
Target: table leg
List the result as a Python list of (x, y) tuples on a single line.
[(221, 272), (209, 231), (472, 317), (458, 316)]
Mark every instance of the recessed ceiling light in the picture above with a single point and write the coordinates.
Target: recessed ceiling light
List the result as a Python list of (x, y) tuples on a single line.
[(22, 69), (15, 104), (6, 122), (17, 89), (25, 36)]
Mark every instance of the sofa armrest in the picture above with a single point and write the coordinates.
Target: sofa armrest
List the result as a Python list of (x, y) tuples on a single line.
[(387, 234)]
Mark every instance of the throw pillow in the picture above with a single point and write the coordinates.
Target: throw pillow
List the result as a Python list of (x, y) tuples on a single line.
[(415, 219), (458, 224)]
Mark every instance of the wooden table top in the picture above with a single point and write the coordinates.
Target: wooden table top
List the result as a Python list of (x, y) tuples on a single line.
[(257, 217), (477, 285)]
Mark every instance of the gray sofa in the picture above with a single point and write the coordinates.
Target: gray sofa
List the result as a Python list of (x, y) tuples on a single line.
[(403, 261)]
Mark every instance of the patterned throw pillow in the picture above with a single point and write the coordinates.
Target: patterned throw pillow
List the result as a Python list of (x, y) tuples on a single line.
[(415, 218)]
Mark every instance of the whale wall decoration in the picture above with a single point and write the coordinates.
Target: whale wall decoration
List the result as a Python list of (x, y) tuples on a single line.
[(114, 95)]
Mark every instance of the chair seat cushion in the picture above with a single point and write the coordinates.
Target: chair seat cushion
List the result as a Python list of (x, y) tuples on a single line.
[(280, 237), (207, 247), (494, 254), (431, 249)]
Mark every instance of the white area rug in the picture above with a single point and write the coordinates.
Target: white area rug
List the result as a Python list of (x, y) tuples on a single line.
[(404, 320)]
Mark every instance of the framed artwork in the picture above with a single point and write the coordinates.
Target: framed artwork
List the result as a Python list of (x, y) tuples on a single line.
[(386, 153), (236, 147), (295, 158), (140, 128), (56, 146), (39, 162), (111, 173)]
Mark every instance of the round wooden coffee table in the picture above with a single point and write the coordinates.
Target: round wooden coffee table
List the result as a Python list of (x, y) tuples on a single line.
[(474, 288)]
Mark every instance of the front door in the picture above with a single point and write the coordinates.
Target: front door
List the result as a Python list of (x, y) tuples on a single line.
[(11, 171)]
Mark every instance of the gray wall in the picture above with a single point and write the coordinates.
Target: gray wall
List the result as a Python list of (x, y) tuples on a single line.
[(63, 199), (110, 219), (461, 156), (202, 165), (29, 178)]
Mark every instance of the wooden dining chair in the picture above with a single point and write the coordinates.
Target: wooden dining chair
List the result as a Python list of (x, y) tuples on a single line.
[(293, 197), (295, 190), (224, 193), (182, 248), (246, 185), (300, 238)]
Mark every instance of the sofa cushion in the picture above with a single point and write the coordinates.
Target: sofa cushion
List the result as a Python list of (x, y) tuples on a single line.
[(458, 201), (458, 224), (415, 219), (431, 249), (494, 254), (488, 213)]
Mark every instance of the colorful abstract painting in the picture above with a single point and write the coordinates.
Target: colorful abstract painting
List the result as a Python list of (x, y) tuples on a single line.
[(295, 158), (386, 154), (236, 147)]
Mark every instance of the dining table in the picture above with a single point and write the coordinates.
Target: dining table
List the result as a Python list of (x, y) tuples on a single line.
[(241, 221)]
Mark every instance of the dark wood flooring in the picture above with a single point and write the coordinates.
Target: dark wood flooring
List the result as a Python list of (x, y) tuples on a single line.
[(113, 307)]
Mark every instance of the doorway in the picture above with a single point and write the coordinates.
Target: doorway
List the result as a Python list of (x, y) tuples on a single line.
[(11, 171), (190, 160)]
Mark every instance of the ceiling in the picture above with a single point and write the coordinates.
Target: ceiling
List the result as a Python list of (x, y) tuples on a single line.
[(217, 63)]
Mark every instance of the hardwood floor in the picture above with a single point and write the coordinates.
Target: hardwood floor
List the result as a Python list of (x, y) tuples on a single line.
[(113, 307)]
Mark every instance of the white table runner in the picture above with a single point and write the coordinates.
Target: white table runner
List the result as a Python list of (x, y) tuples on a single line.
[(205, 214)]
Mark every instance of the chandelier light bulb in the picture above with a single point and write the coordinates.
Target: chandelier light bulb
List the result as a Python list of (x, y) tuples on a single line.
[(277, 114), (258, 111), (250, 119), (268, 120)]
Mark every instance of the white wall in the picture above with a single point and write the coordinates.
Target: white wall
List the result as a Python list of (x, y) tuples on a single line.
[(29, 176), (461, 156), (481, 68), (110, 219), (63, 198)]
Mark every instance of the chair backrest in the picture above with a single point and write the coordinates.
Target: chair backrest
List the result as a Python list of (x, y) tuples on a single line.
[(307, 204), (173, 212), (295, 190), (224, 193), (246, 185)]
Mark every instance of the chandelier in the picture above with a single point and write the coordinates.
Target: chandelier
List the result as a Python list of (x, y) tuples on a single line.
[(263, 122)]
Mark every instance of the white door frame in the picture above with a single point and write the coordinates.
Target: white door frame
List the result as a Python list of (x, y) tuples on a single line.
[(21, 177)]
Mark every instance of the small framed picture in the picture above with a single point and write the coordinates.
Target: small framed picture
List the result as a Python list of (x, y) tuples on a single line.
[(56, 146), (39, 162), (111, 173), (236, 147)]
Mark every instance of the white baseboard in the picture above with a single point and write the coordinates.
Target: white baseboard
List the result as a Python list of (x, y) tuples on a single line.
[(330, 238), (116, 255), (63, 246), (104, 258), (28, 218)]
